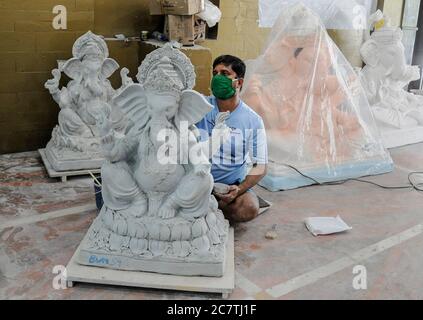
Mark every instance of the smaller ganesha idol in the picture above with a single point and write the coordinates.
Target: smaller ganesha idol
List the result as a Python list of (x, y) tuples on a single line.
[(399, 114), (159, 214), (75, 143)]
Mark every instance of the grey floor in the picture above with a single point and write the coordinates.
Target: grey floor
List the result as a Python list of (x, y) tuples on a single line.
[(386, 240)]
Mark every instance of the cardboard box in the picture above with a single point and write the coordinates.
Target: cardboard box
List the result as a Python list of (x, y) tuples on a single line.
[(187, 30), (200, 30), (180, 28), (176, 7)]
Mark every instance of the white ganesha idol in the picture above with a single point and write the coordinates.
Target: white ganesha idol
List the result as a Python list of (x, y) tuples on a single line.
[(159, 215), (75, 143), (386, 75)]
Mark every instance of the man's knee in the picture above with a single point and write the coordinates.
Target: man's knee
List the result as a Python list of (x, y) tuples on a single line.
[(245, 211)]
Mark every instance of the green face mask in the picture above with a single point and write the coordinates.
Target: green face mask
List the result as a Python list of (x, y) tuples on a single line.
[(222, 87)]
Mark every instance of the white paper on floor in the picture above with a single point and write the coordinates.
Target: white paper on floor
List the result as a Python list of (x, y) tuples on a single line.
[(326, 225)]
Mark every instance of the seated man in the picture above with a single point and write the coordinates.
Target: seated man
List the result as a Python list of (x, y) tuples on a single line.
[(242, 161)]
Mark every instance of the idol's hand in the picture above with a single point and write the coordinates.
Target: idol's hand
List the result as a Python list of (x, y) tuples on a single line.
[(201, 170), (105, 125), (53, 84), (221, 118), (221, 131)]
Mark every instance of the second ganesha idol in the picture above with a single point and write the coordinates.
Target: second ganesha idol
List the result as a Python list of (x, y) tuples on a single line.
[(317, 117), (75, 142), (158, 216)]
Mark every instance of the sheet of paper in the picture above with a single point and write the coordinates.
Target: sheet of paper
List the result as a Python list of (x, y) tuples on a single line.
[(320, 226)]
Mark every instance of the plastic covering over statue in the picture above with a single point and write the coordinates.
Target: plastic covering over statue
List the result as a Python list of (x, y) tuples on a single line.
[(319, 124), (399, 114), (75, 143), (159, 214)]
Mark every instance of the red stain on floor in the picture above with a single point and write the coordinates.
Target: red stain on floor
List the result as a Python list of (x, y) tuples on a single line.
[(255, 247)]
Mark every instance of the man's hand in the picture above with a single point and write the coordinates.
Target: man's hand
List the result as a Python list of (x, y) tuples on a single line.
[(231, 196)]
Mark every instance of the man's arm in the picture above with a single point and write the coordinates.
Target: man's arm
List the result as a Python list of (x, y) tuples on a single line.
[(257, 173), (259, 158)]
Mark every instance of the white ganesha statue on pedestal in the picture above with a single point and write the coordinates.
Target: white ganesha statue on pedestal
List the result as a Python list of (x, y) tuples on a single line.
[(159, 214), (385, 77), (75, 143)]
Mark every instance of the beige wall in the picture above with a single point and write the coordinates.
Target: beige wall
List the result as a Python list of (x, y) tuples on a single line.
[(394, 9), (239, 33)]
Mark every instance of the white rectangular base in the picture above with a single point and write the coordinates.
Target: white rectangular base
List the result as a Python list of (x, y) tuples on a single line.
[(63, 174), (393, 138), (224, 285)]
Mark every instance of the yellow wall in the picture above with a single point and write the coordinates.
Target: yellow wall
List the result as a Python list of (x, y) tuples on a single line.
[(30, 47)]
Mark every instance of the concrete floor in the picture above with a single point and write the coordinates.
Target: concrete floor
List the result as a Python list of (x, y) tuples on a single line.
[(387, 238)]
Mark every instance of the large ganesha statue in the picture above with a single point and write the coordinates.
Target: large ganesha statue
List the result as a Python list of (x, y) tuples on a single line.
[(159, 214)]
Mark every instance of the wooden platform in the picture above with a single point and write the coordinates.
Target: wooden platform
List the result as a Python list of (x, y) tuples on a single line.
[(224, 285), (63, 174)]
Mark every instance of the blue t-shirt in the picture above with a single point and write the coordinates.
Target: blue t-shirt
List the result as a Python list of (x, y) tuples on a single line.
[(247, 145)]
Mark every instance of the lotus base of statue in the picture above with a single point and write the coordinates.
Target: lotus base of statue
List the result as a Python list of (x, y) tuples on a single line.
[(204, 255)]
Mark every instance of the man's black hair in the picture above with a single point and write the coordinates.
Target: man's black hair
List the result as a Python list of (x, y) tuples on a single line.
[(237, 65)]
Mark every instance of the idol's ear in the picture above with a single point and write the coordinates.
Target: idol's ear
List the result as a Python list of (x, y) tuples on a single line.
[(73, 68), (193, 108), (109, 67), (370, 53), (132, 101)]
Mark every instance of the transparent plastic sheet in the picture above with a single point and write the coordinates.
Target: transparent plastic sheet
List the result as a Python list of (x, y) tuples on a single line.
[(335, 14), (316, 113)]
